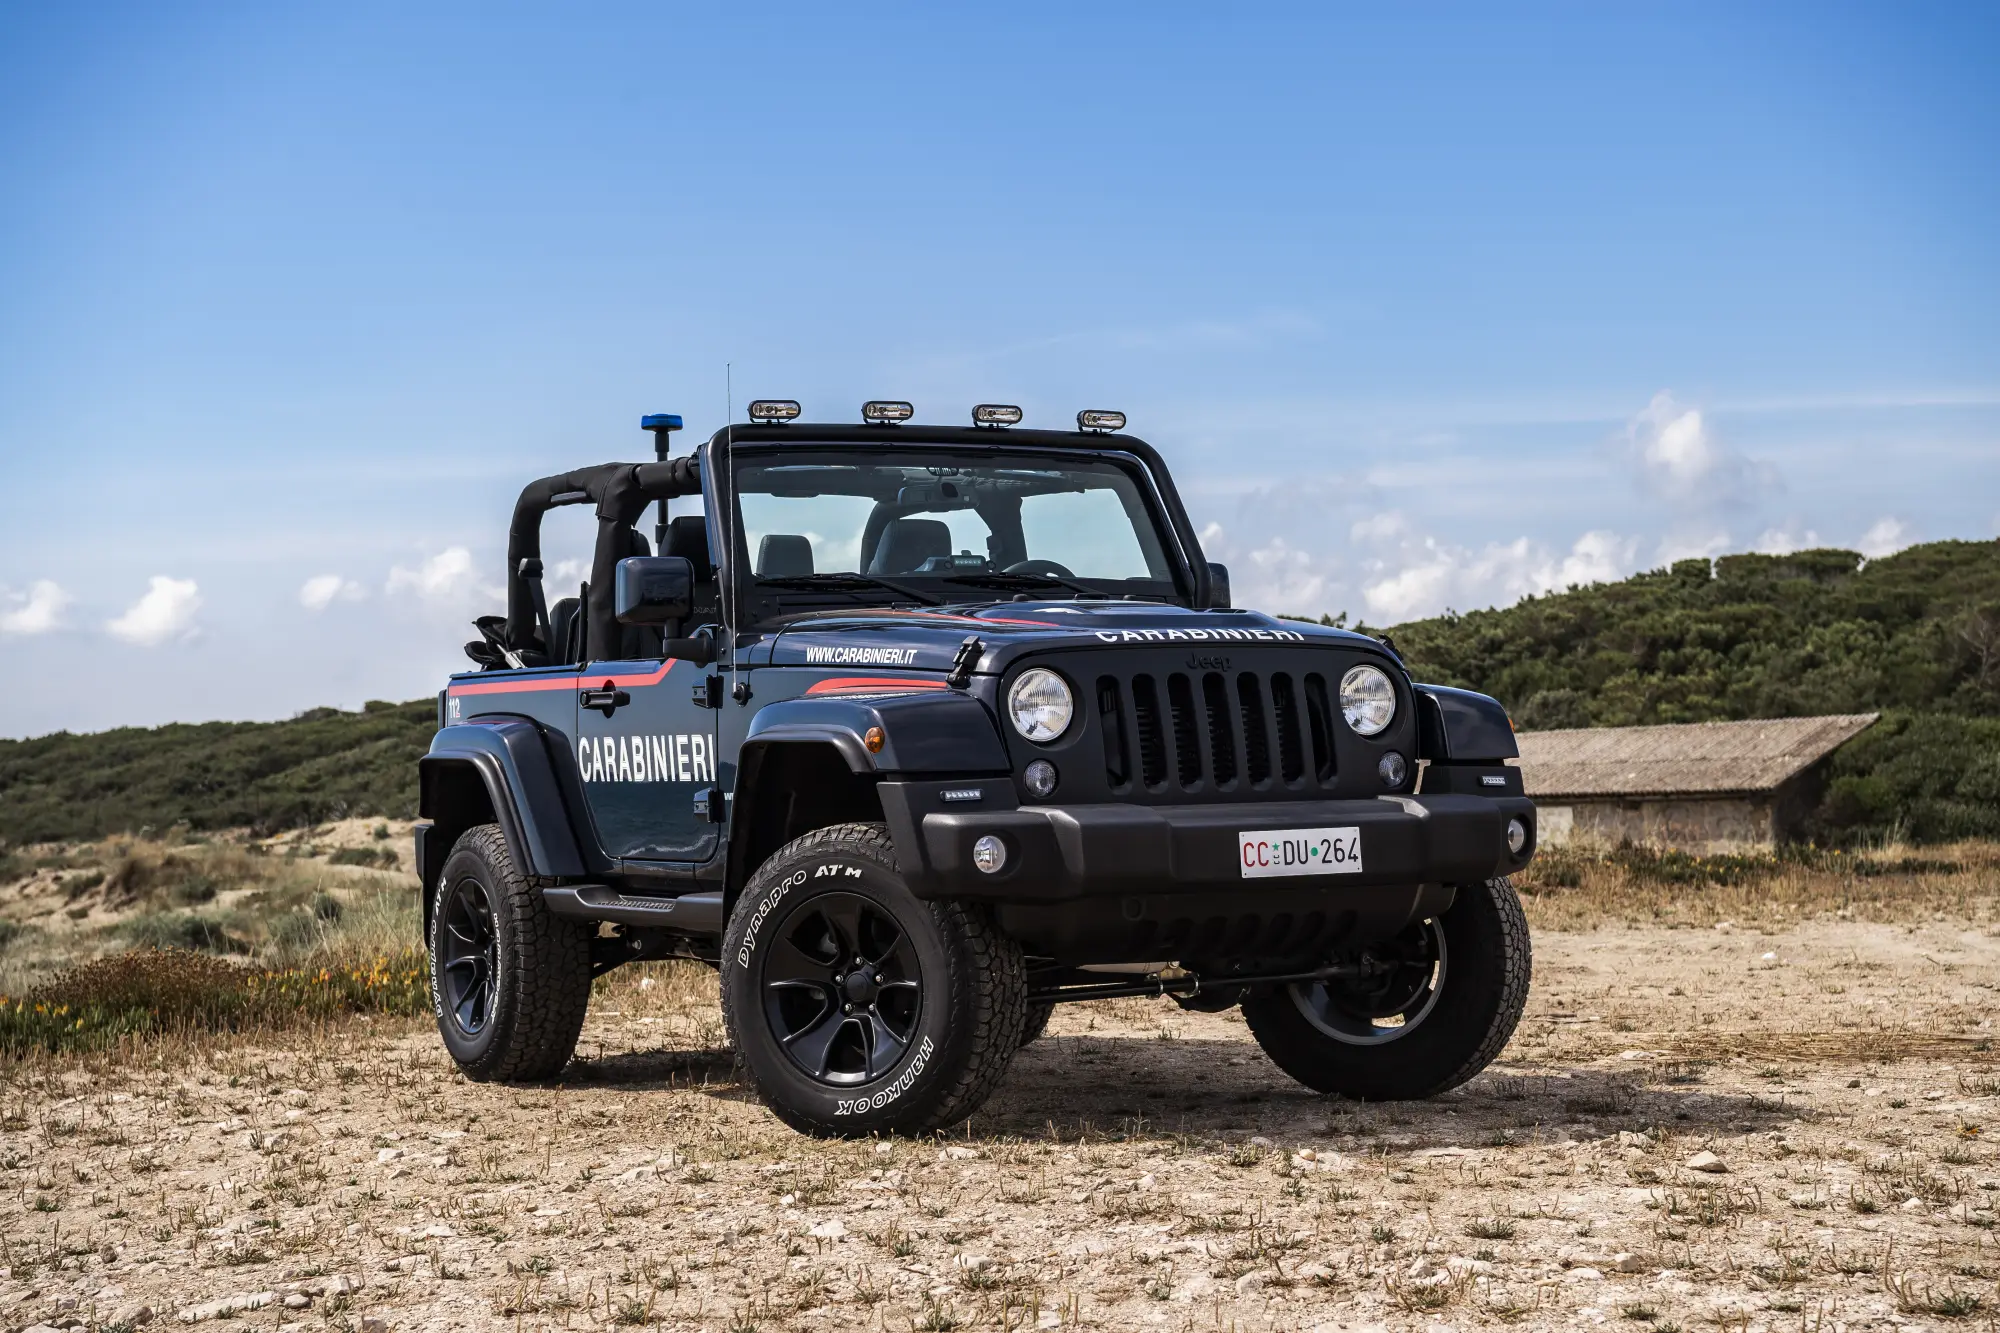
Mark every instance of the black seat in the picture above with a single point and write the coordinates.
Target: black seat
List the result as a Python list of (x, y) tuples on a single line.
[(908, 542), (562, 622), (687, 537), (784, 555)]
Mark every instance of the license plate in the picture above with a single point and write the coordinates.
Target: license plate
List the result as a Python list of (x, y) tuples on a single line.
[(1300, 851)]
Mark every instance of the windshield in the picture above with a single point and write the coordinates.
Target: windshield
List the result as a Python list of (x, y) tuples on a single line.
[(946, 524)]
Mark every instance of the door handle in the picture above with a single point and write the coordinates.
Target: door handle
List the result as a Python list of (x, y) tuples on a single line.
[(607, 700)]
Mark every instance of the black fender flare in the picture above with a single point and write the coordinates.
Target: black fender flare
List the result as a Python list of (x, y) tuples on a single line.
[(1461, 727), (939, 733), (511, 759)]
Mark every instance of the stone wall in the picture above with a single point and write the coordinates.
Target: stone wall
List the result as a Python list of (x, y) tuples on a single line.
[(1697, 824)]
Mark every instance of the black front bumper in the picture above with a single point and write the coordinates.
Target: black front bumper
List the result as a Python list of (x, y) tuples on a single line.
[(1063, 853)]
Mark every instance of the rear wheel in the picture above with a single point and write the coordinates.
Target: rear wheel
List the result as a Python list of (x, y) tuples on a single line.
[(510, 981), (857, 1007), (1428, 1009)]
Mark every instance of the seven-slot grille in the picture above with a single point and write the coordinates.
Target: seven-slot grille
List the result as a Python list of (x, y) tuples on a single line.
[(1216, 731)]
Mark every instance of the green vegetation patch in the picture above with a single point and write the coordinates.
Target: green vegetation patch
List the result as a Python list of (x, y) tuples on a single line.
[(152, 991), (266, 776)]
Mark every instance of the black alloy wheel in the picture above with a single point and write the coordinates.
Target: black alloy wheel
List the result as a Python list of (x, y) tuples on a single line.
[(843, 989), (1396, 990), (1428, 1008), (469, 956)]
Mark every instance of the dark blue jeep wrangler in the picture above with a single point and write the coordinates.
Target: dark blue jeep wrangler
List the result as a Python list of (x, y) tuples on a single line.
[(914, 732)]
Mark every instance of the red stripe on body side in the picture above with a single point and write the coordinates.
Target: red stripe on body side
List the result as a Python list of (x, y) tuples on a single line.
[(837, 683), (579, 681)]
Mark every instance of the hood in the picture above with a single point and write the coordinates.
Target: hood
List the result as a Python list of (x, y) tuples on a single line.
[(930, 639)]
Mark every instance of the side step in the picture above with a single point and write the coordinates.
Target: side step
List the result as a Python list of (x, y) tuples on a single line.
[(691, 913)]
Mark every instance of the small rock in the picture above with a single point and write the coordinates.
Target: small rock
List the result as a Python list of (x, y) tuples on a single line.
[(1585, 1275), (387, 1155), (1628, 1263), (1628, 1139), (831, 1229), (297, 1301), (1706, 1161), (64, 1304), (1250, 1282), (134, 1316), (1314, 1272), (881, 1149), (973, 1263), (373, 1325), (229, 1126), (438, 1232), (955, 1153), (1912, 1203), (1148, 1181)]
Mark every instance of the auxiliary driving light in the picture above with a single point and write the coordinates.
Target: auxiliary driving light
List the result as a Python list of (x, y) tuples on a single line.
[(886, 412), (774, 409), (996, 414), (1040, 777), (1392, 769), (1092, 419), (1517, 836), (989, 854)]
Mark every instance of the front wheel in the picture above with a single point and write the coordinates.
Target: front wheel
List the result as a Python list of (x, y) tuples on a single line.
[(857, 1007), (1425, 1011)]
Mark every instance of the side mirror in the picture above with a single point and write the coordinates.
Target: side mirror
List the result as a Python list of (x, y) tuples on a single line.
[(1218, 587), (653, 589)]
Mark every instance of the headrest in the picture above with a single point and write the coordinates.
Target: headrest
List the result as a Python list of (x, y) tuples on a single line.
[(907, 543), (687, 537), (784, 555)]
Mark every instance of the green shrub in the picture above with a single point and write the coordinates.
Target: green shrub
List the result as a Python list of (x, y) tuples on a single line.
[(375, 858)]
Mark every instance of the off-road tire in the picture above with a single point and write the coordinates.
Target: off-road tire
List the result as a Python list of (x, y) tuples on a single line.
[(1484, 989), (1037, 1022), (971, 995), (540, 969)]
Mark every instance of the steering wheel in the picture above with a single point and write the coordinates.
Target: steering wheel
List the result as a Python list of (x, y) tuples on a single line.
[(1046, 568)]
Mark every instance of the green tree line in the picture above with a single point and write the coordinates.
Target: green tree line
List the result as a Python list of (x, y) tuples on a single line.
[(1914, 636)]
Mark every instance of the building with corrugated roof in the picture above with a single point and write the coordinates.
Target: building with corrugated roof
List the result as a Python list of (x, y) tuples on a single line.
[(1703, 787)]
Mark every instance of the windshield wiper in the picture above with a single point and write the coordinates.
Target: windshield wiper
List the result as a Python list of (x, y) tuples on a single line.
[(1005, 582), (848, 583)]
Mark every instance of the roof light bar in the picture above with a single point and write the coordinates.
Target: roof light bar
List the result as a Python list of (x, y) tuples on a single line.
[(774, 409), (996, 414), (886, 411), (1093, 419)]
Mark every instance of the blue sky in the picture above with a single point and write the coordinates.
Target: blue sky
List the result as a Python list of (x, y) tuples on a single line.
[(1428, 308)]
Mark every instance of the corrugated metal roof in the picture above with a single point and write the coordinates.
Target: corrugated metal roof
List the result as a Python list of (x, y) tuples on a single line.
[(1693, 759)]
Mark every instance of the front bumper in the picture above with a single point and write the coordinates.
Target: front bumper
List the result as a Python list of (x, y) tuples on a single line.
[(1062, 853)]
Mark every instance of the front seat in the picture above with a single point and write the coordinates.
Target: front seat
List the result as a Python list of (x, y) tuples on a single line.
[(908, 542), (784, 555)]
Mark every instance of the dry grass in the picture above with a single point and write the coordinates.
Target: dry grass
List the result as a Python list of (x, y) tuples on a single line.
[(1568, 889)]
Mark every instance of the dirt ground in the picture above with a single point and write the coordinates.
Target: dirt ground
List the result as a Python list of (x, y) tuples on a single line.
[(1141, 1168)]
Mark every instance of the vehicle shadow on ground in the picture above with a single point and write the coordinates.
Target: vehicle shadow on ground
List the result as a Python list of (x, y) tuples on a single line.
[(1139, 1086), (1224, 1090)]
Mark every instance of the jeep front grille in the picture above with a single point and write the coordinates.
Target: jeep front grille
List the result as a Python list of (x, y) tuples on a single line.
[(1216, 731)]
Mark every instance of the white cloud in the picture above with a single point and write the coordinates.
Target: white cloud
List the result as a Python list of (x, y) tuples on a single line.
[(1277, 576), (1696, 545), (1420, 577), (36, 611), (165, 612), (1886, 537), (1679, 459), (1785, 540), (445, 577), (323, 590)]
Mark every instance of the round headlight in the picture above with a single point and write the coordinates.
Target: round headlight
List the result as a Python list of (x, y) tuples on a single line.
[(1367, 699), (1040, 704)]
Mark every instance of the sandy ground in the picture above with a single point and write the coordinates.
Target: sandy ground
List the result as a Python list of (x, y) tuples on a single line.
[(1141, 1168)]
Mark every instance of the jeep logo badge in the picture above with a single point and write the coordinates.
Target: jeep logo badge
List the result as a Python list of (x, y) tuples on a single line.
[(1206, 662)]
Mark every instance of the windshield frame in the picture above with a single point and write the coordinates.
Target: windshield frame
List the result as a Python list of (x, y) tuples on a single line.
[(755, 603)]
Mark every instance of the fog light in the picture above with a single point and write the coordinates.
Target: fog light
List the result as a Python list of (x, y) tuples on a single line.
[(989, 854), (1040, 777), (1393, 769), (1517, 836)]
